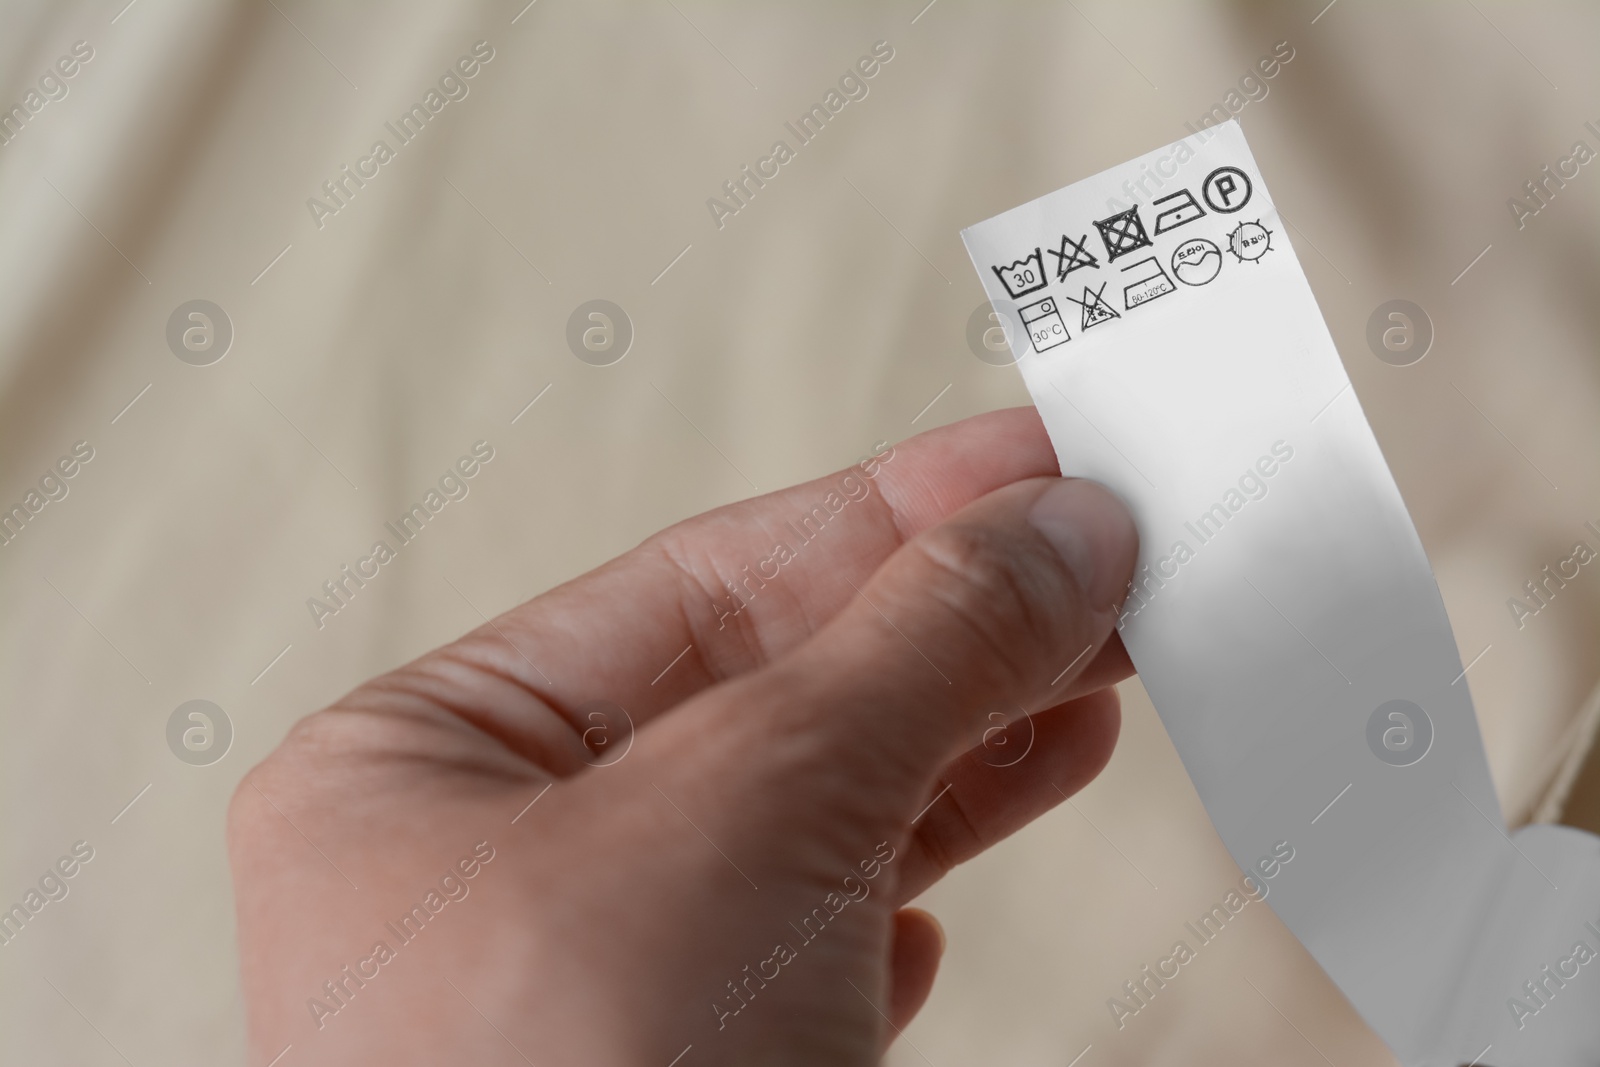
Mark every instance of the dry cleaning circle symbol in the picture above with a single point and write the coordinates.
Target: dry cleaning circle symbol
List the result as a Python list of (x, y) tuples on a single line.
[(1197, 261), (199, 732), (1399, 733), (199, 332), (1399, 332), (1250, 241), (599, 332), (1226, 189)]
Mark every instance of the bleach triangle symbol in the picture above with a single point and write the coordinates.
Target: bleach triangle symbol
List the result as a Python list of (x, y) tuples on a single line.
[(1095, 308)]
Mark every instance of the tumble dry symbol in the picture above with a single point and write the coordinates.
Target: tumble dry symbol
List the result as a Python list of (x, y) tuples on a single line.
[(199, 332), (1399, 733), (1044, 325), (1078, 257), (1226, 189), (199, 733), (599, 332), (1123, 233)]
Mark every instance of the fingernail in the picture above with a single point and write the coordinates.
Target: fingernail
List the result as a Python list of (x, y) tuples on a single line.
[(1093, 533)]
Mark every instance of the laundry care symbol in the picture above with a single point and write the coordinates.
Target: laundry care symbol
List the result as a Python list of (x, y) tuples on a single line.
[(1095, 308), (1226, 189), (1149, 282), (1123, 233), (1184, 209), (1078, 256), (1197, 261), (1024, 276), (1250, 241), (1045, 326)]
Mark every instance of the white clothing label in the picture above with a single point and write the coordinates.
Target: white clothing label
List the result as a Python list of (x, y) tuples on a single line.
[(1284, 618)]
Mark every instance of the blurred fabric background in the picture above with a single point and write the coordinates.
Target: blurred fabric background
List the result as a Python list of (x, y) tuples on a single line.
[(373, 346)]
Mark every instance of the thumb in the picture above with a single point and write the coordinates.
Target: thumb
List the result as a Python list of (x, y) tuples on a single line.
[(982, 613)]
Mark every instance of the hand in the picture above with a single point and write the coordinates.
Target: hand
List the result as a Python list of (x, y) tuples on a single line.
[(732, 876)]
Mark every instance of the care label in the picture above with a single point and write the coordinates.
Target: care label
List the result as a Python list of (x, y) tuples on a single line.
[(1283, 616)]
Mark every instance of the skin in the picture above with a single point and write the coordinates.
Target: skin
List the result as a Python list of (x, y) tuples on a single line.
[(826, 753)]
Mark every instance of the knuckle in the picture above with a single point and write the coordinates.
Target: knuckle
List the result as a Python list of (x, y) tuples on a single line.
[(716, 618), (1005, 593), (288, 774), (947, 836)]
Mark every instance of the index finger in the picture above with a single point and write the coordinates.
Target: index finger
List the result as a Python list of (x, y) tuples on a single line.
[(724, 592)]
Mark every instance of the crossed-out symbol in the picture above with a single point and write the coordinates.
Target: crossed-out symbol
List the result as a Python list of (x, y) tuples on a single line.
[(1070, 261), (1095, 308), (1123, 233)]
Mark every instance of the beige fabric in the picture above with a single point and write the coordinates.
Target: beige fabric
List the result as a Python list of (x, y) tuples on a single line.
[(825, 315)]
